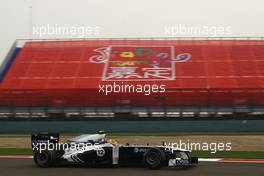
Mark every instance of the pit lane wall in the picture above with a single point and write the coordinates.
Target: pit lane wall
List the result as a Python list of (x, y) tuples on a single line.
[(132, 126)]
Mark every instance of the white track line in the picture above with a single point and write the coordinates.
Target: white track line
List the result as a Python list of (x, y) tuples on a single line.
[(209, 159)]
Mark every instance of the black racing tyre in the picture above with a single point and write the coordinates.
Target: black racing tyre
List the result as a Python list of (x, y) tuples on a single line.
[(45, 158), (154, 158)]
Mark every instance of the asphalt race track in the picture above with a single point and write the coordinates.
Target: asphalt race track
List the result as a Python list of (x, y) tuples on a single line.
[(26, 167)]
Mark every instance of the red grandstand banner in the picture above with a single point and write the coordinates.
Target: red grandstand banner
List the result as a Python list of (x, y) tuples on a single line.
[(136, 63), (194, 72)]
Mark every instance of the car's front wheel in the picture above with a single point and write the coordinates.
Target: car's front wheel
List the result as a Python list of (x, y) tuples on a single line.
[(154, 158)]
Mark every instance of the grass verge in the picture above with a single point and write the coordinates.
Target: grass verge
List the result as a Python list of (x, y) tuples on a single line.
[(15, 151)]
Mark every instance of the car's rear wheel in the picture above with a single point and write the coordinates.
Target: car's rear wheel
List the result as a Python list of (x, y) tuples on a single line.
[(154, 158), (44, 158)]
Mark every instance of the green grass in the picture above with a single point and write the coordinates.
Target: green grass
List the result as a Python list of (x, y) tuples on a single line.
[(200, 154), (15, 151)]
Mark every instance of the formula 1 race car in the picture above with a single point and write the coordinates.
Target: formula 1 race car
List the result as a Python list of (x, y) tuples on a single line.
[(96, 150)]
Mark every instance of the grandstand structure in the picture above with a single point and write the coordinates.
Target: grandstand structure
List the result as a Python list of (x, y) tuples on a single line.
[(212, 78)]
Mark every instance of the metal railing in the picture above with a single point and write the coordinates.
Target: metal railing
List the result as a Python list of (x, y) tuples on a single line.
[(21, 42)]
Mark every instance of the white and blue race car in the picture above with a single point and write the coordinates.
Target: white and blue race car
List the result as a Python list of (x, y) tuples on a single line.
[(96, 150)]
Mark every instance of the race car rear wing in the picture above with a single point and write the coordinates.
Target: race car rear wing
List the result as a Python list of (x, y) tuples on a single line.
[(44, 138)]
